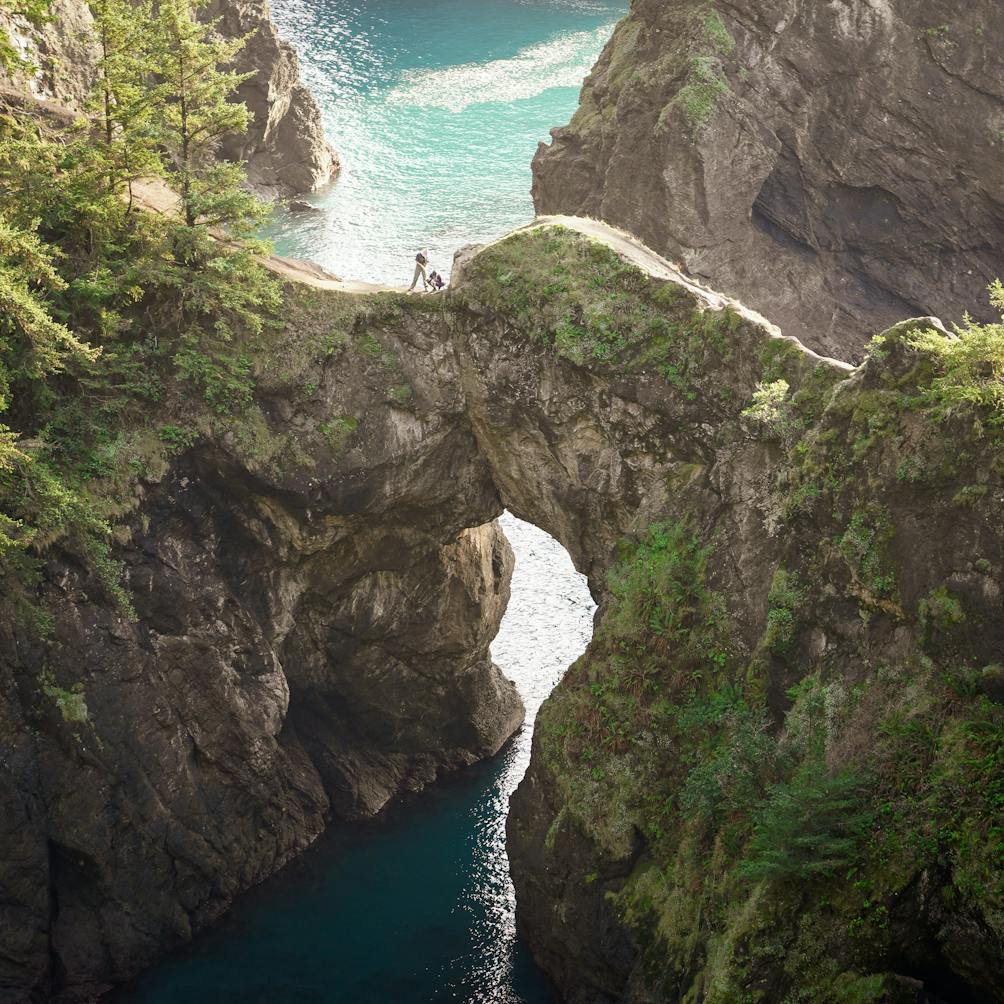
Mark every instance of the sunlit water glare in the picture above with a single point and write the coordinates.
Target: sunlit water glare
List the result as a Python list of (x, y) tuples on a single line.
[(436, 109), (417, 906), (546, 627)]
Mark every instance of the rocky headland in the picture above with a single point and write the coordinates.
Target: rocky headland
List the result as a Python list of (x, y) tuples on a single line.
[(799, 569), (836, 166), (285, 148), (776, 773)]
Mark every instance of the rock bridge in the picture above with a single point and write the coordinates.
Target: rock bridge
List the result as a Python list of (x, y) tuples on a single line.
[(317, 581)]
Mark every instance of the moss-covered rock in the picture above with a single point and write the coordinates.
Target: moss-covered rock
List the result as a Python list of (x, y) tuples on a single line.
[(776, 768)]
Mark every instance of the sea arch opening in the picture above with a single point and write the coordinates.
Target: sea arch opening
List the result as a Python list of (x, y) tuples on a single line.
[(417, 903), (546, 626)]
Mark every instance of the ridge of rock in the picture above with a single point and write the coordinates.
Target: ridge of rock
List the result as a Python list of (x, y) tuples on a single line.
[(768, 532), (834, 166)]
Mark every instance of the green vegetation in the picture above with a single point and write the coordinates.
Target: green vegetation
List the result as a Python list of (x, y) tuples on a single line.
[(940, 610), (338, 431), (107, 312), (865, 546), (809, 826), (72, 703), (125, 101), (782, 826), (718, 34), (593, 308), (784, 600), (968, 369), (197, 113), (938, 32), (402, 393), (927, 413), (176, 437), (658, 589), (706, 83), (772, 411)]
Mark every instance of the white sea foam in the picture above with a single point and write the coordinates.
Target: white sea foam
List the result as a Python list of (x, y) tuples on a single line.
[(562, 61)]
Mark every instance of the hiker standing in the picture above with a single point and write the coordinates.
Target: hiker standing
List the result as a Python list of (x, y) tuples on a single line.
[(421, 260)]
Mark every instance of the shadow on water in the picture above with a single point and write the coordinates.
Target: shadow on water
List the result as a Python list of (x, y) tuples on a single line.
[(416, 906)]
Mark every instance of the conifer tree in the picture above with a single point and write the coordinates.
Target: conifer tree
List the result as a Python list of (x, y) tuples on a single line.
[(33, 344), (198, 112), (126, 100)]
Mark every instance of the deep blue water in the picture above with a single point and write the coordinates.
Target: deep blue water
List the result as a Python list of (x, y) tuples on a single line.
[(416, 906), (436, 108), (377, 913)]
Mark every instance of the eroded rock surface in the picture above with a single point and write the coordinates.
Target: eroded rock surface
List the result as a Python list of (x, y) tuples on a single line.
[(311, 639), (285, 147), (837, 166), (799, 572)]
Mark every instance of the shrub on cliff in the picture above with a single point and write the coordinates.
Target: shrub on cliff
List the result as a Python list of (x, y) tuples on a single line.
[(809, 826), (970, 367)]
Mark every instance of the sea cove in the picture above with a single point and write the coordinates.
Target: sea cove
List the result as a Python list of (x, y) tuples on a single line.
[(436, 109)]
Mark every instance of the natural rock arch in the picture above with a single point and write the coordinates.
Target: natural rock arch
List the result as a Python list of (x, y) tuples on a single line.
[(315, 608)]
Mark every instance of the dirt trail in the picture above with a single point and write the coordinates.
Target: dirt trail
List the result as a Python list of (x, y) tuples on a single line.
[(157, 197)]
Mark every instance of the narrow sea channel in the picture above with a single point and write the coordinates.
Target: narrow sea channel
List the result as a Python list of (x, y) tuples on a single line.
[(436, 109), (416, 906)]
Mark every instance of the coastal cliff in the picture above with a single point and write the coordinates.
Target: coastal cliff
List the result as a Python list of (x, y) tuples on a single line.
[(836, 166), (313, 589), (251, 571), (798, 566), (284, 147)]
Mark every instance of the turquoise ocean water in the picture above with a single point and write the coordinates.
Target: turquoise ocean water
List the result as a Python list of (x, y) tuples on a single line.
[(436, 109)]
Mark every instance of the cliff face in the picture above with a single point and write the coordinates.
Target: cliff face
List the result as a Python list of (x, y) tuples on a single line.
[(313, 620), (799, 571), (834, 165), (773, 775), (285, 147)]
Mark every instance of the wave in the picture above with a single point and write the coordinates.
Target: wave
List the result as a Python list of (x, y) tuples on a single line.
[(561, 62)]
